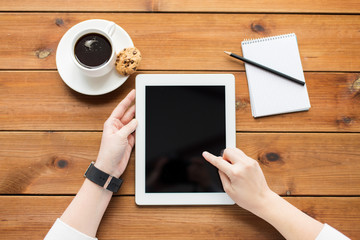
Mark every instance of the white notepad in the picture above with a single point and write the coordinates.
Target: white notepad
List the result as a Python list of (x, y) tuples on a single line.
[(271, 94)]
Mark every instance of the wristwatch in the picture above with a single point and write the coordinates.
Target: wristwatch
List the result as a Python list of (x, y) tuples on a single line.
[(101, 178)]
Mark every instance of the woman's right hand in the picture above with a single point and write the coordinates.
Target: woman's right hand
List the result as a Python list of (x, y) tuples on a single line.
[(242, 178), (245, 183)]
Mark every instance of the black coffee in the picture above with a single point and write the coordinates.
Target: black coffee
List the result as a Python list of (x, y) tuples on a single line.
[(92, 50)]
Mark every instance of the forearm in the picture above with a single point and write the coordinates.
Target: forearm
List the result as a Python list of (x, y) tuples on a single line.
[(87, 208), (287, 219)]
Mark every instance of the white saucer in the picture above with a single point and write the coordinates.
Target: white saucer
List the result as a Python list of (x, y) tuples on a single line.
[(72, 76)]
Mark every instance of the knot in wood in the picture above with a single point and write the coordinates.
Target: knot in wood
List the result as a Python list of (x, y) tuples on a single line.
[(355, 88), (62, 163), (272, 157), (59, 22), (356, 85), (241, 103), (344, 121), (59, 162), (43, 53), (347, 120), (257, 28)]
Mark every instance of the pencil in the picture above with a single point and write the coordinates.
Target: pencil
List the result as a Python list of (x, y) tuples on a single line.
[(265, 68)]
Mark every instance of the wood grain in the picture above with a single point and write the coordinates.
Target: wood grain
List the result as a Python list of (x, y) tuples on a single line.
[(305, 6), (125, 220), (293, 163), (187, 41), (179, 37), (41, 101)]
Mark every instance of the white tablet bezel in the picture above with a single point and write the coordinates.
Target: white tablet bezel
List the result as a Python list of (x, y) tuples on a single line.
[(143, 80)]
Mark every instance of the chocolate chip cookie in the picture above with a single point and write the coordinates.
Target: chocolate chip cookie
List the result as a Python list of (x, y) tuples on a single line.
[(128, 60)]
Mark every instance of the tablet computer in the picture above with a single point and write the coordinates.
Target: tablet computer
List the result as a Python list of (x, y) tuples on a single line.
[(180, 116)]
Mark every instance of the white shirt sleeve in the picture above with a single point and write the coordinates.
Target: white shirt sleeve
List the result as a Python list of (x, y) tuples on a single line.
[(330, 233), (61, 231)]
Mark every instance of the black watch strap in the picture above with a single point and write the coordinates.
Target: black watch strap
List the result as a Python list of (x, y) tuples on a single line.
[(100, 178), (114, 184)]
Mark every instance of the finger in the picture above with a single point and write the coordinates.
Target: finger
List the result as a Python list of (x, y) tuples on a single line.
[(129, 128), (129, 114), (134, 134), (245, 158), (225, 181), (131, 140), (234, 155), (218, 162), (123, 105)]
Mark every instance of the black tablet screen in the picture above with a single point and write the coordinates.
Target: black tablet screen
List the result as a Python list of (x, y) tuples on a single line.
[(181, 123)]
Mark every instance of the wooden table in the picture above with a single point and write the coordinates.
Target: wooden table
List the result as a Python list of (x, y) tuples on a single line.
[(49, 133)]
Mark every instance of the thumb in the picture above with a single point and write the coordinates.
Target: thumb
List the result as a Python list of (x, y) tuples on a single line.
[(129, 128)]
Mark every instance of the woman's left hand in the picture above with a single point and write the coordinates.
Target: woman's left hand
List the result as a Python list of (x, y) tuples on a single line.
[(118, 138)]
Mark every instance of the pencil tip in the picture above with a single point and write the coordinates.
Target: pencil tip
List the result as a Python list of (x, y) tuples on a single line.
[(228, 53)]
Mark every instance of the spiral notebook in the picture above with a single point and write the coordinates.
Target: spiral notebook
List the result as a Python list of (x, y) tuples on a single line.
[(271, 94)]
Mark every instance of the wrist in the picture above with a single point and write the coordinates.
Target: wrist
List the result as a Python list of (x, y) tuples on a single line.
[(268, 201), (105, 168), (103, 179), (94, 188)]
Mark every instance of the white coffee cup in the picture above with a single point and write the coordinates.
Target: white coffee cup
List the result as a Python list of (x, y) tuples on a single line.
[(103, 69)]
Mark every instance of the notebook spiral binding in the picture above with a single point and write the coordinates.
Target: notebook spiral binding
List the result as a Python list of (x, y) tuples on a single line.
[(265, 39)]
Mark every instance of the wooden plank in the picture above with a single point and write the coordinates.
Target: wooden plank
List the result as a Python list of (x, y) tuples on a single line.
[(283, 6), (41, 101), (77, 5), (293, 163), (306, 164), (187, 41), (125, 220)]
